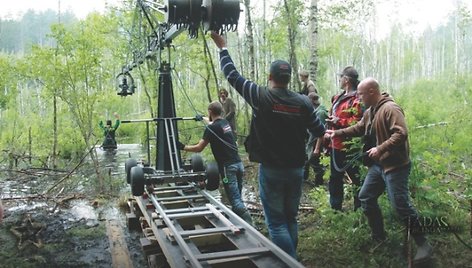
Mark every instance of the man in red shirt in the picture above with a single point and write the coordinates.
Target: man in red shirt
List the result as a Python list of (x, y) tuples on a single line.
[(346, 111)]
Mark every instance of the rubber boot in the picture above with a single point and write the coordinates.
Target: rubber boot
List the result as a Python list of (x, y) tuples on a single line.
[(318, 180), (246, 216), (357, 202), (375, 220), (306, 172), (424, 252)]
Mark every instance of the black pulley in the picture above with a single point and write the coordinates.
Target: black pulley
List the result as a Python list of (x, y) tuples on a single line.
[(221, 15), (184, 13)]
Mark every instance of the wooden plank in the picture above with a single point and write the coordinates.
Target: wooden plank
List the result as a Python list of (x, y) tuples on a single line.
[(118, 248), (150, 247), (133, 222)]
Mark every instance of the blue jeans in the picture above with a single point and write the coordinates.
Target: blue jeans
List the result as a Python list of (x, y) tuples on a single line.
[(396, 184), (234, 185), (280, 191)]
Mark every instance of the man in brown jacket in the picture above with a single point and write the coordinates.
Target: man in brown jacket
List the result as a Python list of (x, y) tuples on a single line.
[(389, 167)]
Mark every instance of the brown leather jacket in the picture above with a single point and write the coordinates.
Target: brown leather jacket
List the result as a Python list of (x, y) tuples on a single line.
[(389, 126)]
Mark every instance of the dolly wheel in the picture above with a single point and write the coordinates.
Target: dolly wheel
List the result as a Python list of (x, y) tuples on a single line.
[(213, 176), (197, 163), (137, 180), (130, 162)]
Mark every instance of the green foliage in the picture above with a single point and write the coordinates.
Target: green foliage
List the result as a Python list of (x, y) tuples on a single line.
[(428, 75), (86, 233), (440, 186), (343, 239)]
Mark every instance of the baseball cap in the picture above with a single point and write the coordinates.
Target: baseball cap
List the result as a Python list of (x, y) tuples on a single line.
[(349, 71), (280, 69)]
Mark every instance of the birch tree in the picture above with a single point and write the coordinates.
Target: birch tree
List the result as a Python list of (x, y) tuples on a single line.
[(313, 30)]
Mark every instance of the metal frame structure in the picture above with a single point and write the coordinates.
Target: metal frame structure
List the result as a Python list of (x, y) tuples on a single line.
[(185, 226), (192, 229)]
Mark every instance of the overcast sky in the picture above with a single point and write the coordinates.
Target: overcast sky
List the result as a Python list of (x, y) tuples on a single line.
[(417, 13), (81, 8)]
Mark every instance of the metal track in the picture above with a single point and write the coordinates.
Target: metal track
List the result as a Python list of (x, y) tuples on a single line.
[(187, 227)]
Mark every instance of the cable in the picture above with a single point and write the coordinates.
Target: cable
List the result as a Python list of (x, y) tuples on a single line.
[(181, 88), (349, 163)]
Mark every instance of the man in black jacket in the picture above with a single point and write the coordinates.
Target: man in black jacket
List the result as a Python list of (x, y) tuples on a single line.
[(277, 141)]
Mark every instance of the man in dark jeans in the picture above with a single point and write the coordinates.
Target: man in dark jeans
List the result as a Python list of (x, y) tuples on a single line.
[(279, 123), (223, 146), (390, 163), (346, 110)]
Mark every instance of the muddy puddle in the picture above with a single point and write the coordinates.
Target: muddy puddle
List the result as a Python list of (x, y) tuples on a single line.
[(70, 225), (67, 226)]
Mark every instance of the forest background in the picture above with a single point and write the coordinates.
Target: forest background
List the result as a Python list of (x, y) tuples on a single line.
[(58, 81)]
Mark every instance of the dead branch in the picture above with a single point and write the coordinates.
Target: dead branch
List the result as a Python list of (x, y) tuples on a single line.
[(28, 197), (74, 169), (432, 125)]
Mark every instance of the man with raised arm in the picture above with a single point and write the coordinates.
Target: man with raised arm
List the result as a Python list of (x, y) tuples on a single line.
[(279, 123)]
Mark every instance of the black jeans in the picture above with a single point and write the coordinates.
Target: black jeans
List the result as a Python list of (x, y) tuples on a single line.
[(318, 169), (336, 180)]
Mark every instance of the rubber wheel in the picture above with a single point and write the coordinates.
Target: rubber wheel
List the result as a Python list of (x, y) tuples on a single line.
[(213, 176), (130, 162), (197, 163), (137, 180)]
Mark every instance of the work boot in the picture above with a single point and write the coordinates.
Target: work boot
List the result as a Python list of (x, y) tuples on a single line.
[(423, 252)]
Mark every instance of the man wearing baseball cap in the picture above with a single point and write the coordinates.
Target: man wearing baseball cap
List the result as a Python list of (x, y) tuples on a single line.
[(279, 123), (346, 110)]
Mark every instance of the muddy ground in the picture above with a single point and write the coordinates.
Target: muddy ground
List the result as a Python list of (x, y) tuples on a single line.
[(69, 225)]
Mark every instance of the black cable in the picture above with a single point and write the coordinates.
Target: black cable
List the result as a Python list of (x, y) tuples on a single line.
[(349, 163), (229, 145)]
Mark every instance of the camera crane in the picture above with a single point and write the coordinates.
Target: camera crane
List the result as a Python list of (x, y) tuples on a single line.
[(191, 227)]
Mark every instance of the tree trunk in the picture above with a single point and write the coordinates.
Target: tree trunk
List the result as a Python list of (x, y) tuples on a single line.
[(54, 131), (250, 41), (313, 18), (292, 36), (30, 145), (210, 67), (246, 106)]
